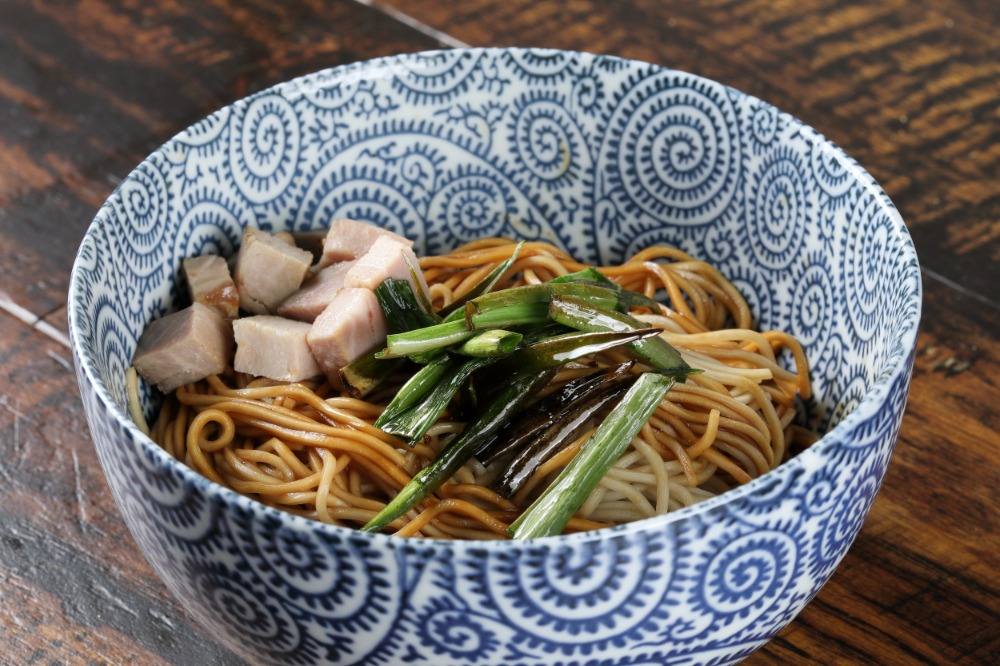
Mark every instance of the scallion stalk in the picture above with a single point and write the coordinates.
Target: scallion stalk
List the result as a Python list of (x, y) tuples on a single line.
[(514, 394), (400, 306), (529, 369), (550, 513), (363, 376), (584, 316), (422, 296), (495, 342), (516, 314), (592, 276), (425, 339), (413, 423), (534, 420), (415, 389), (561, 433), (483, 286)]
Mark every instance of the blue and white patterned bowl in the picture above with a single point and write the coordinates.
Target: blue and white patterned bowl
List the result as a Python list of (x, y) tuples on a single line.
[(600, 156)]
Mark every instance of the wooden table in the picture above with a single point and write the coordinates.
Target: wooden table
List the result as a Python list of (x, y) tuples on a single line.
[(910, 88)]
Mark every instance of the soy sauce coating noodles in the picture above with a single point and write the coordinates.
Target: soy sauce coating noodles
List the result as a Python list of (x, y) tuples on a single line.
[(308, 449)]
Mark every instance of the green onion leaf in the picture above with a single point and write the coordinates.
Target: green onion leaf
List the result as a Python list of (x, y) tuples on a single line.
[(548, 515), (583, 316), (495, 342)]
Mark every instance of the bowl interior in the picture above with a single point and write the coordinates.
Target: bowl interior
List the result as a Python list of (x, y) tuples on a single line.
[(598, 155)]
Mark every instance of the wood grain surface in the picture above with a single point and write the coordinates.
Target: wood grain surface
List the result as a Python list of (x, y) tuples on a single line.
[(911, 89)]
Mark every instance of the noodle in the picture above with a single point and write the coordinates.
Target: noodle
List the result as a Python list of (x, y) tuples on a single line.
[(307, 449)]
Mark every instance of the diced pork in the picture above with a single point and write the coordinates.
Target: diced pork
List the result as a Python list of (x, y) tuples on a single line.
[(316, 293), (386, 259), (268, 270), (184, 347), (351, 326), (274, 347), (210, 284), (348, 239)]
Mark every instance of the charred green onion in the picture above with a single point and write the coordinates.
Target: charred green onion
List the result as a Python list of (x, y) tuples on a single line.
[(529, 302), (533, 366), (515, 393), (533, 421), (401, 308), (422, 297), (415, 389), (584, 316), (364, 375), (558, 435), (412, 423), (549, 514), (594, 277), (516, 314)]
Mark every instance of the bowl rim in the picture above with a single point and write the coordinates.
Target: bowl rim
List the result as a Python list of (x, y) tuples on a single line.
[(870, 403)]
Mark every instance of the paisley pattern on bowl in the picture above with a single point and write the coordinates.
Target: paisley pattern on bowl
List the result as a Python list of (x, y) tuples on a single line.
[(601, 156)]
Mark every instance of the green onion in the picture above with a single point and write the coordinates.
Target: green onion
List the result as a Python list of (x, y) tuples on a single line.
[(549, 514), (594, 277), (581, 315), (557, 436), (483, 286), (400, 306), (533, 421), (418, 386), (413, 423), (589, 274), (513, 395), (496, 342), (522, 305), (425, 339), (508, 315), (559, 349), (422, 297), (528, 370), (362, 376), (530, 293)]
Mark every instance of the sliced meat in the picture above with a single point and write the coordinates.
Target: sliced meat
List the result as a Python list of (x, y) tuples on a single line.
[(274, 347), (316, 293), (351, 326), (183, 347), (210, 284), (348, 239), (268, 270), (386, 259)]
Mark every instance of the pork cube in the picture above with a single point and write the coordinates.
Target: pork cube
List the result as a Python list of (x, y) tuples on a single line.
[(316, 293), (348, 239), (385, 259), (183, 347), (268, 270), (274, 347), (351, 326), (210, 284)]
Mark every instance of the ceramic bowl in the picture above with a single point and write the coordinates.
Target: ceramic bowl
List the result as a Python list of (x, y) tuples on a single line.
[(600, 156)]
